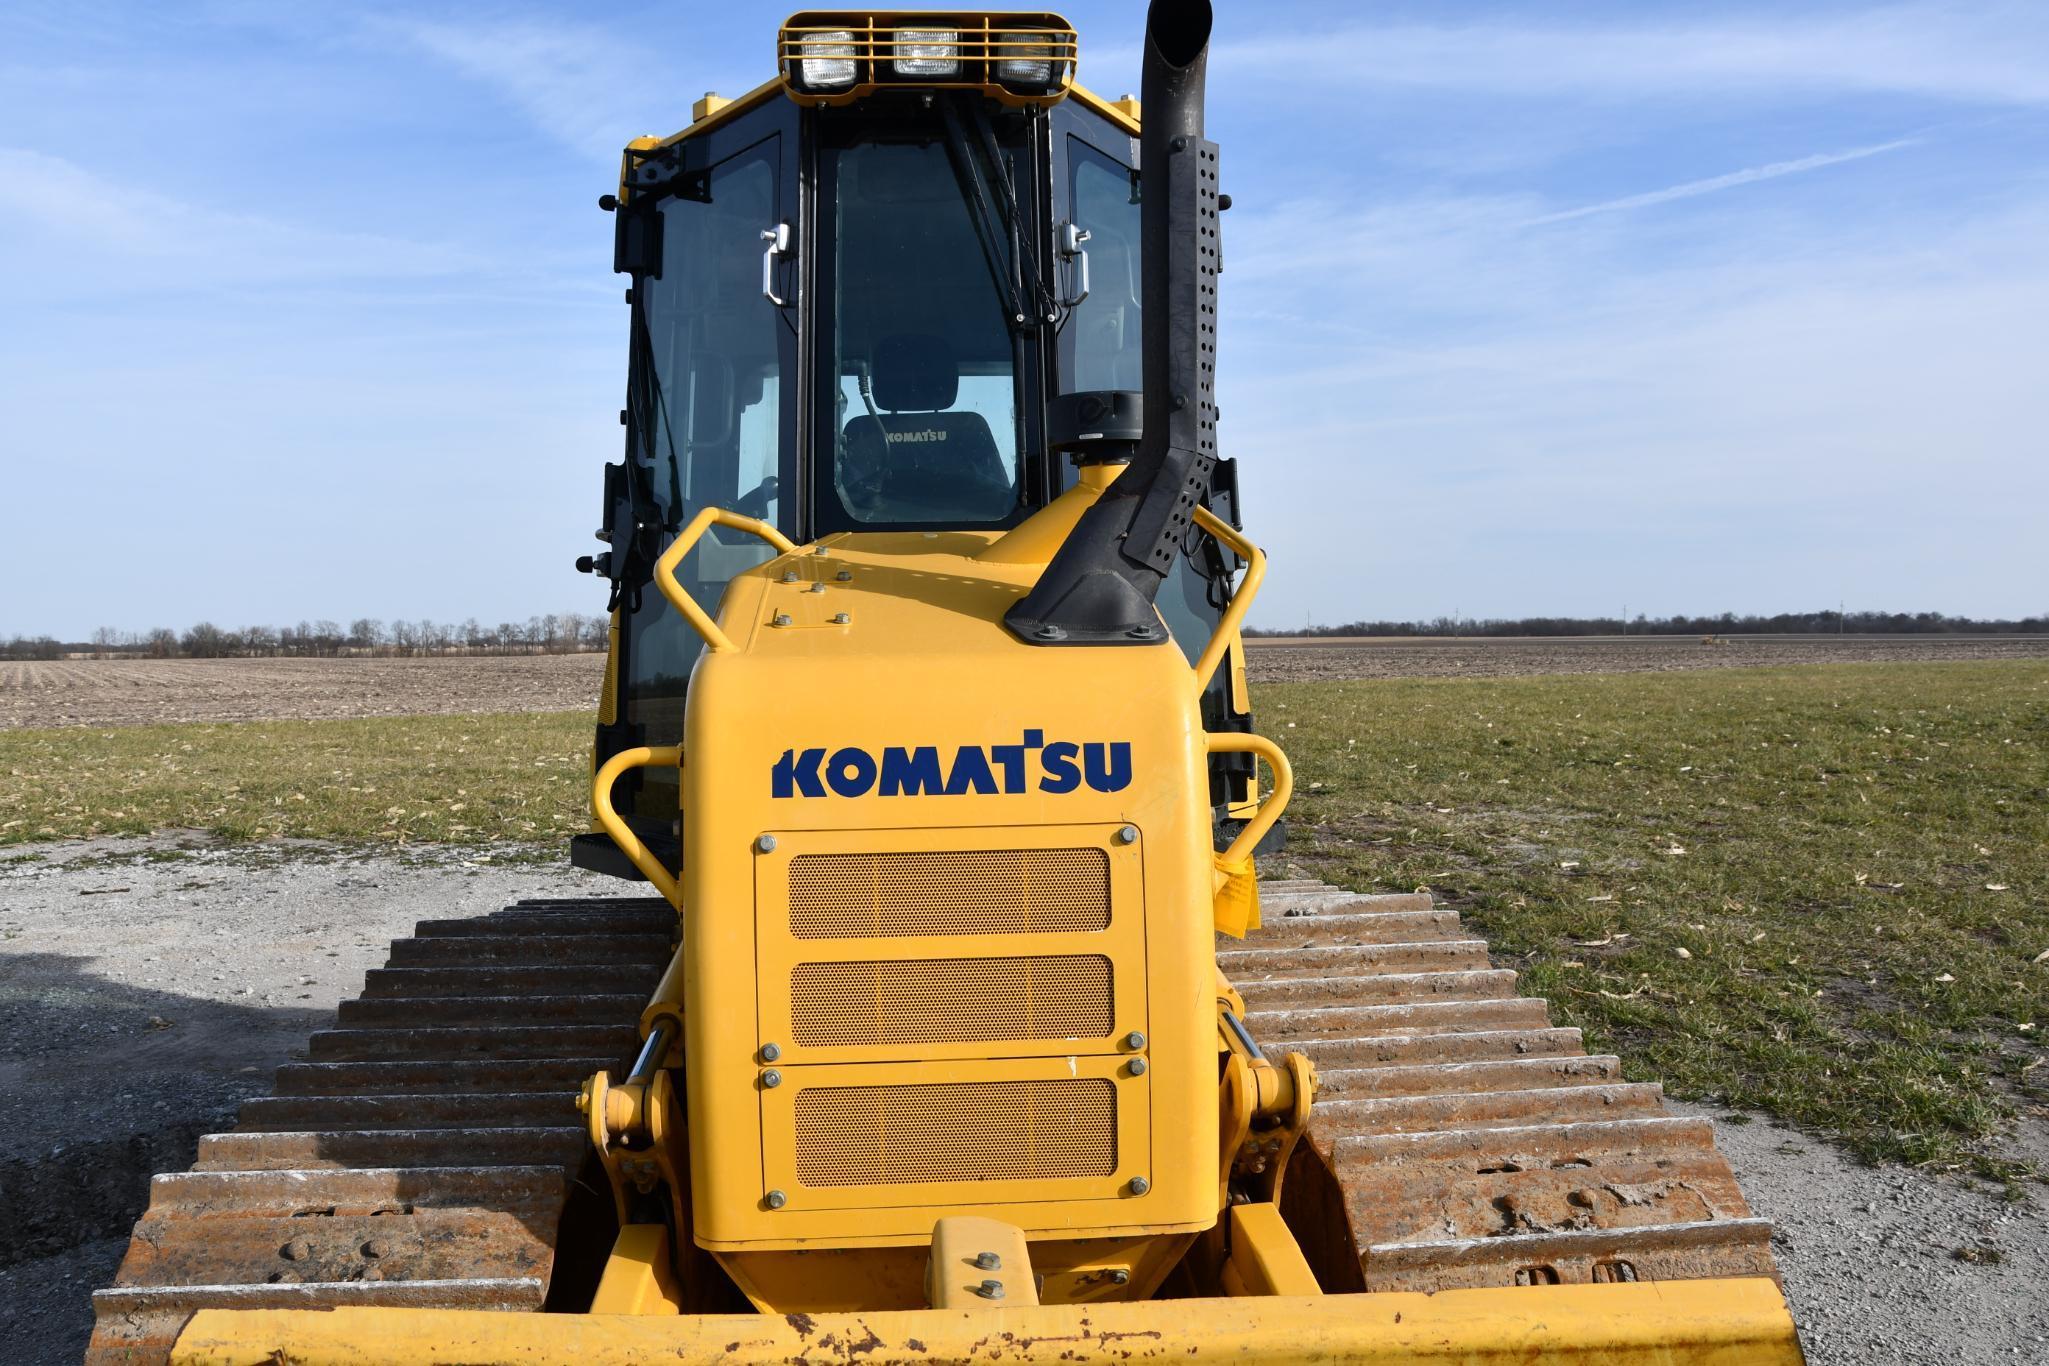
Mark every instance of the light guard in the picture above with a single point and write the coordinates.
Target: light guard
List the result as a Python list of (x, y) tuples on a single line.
[(833, 57)]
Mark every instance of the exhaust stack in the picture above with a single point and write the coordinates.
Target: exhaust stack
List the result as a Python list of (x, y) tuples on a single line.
[(1099, 587)]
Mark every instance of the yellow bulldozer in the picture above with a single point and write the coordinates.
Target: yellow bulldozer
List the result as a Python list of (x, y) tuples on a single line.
[(960, 1028)]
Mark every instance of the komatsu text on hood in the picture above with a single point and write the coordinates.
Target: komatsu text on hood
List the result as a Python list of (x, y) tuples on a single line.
[(1032, 764)]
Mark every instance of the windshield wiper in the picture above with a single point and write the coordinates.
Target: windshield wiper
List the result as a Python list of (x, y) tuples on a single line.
[(1038, 295), (1000, 229)]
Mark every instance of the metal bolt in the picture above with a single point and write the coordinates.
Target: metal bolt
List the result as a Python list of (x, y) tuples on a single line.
[(771, 1079), (766, 844), (818, 588), (1137, 1067), (770, 1052), (1134, 1040), (377, 1247), (775, 1199), (781, 619), (298, 1250), (1120, 1277), (845, 576), (988, 1261), (841, 619), (1139, 1185), (1128, 835), (789, 576), (990, 1290), (818, 550)]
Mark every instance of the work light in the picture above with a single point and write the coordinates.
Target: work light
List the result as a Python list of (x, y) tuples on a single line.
[(927, 52), (1023, 59), (826, 59)]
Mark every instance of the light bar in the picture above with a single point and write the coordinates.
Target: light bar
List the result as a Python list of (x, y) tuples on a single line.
[(836, 57)]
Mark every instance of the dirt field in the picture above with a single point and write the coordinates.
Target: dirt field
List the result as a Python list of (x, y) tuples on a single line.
[(173, 976), (1305, 661), (128, 692), (133, 692)]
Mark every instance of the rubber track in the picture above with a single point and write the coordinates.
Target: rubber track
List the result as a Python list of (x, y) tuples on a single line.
[(423, 1155), (1475, 1144)]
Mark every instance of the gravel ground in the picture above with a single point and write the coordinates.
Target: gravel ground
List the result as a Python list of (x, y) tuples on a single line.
[(127, 692), (146, 987), (1888, 1265)]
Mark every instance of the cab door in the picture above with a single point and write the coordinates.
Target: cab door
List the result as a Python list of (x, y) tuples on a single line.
[(709, 234)]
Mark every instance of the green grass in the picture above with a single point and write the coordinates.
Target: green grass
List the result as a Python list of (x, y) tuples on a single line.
[(1772, 888), (392, 780), (1764, 887)]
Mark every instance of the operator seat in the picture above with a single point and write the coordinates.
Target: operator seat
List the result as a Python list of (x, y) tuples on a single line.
[(915, 461)]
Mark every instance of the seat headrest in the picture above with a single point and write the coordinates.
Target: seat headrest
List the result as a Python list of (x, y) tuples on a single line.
[(915, 373)]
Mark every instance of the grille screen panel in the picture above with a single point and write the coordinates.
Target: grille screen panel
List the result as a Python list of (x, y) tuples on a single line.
[(958, 1131), (951, 1000), (983, 891)]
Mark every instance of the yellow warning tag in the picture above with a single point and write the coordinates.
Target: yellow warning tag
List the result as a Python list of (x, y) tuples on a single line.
[(1237, 902)]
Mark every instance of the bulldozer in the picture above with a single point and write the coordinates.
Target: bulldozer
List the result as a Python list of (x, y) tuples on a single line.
[(953, 1022)]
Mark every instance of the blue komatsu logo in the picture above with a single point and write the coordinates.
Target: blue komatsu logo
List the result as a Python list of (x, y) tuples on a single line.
[(983, 770)]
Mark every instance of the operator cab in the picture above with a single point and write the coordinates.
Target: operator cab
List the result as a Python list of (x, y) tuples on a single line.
[(862, 298)]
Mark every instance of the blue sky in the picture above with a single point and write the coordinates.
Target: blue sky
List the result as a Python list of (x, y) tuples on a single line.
[(306, 310)]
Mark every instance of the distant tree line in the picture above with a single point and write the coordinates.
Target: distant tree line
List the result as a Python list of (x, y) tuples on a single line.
[(1727, 624), (557, 633), (574, 632)]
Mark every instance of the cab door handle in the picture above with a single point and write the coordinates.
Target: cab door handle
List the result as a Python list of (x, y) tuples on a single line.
[(778, 240)]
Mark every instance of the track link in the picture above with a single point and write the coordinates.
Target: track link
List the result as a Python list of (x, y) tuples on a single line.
[(1475, 1144), (423, 1156)]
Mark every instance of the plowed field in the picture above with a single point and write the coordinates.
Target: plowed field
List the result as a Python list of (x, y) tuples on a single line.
[(118, 692), (131, 692)]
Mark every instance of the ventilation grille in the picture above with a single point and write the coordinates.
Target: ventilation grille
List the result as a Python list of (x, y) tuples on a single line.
[(962, 1131), (984, 891), (950, 1000)]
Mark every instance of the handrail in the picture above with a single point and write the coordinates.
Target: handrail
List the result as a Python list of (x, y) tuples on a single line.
[(665, 567), (1269, 811), (622, 834), (1241, 600)]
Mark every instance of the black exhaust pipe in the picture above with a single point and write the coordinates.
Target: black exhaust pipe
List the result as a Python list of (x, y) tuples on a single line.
[(1099, 587)]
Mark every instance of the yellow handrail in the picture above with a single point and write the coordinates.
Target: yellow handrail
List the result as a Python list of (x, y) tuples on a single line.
[(665, 567), (1241, 601), (622, 834), (1269, 811)]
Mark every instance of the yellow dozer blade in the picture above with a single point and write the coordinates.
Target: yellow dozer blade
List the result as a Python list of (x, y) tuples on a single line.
[(1678, 1323)]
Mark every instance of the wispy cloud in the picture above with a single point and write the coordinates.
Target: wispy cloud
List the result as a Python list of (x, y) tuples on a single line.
[(1725, 426), (577, 82), (1991, 54), (1693, 188), (567, 78), (142, 239)]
